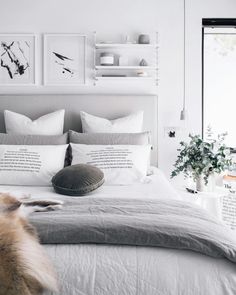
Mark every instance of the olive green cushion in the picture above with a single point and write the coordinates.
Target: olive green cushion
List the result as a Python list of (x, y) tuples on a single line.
[(77, 180)]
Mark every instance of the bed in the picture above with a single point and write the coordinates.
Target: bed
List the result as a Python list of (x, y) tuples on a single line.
[(121, 267)]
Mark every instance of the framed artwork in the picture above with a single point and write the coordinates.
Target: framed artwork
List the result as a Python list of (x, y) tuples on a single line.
[(17, 59), (64, 59)]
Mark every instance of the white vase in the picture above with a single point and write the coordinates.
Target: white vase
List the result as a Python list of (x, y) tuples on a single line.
[(209, 187), (200, 184)]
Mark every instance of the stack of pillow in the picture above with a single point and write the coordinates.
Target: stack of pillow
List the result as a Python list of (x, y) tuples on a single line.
[(34, 152)]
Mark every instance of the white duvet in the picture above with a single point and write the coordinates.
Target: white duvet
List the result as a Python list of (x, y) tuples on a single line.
[(129, 270)]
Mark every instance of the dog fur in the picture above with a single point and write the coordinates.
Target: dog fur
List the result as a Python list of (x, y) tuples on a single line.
[(24, 266)]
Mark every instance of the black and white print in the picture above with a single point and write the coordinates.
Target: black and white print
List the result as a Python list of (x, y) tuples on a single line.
[(17, 59), (65, 64), (64, 59)]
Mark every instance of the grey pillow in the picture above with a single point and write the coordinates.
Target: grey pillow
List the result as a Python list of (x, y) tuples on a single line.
[(77, 180), (19, 139), (110, 138)]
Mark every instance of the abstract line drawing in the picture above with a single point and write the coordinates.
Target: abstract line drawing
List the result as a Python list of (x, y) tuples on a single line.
[(17, 59), (64, 66), (64, 59), (13, 58)]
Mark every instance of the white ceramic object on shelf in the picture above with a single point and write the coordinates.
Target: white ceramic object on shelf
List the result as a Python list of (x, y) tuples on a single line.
[(107, 59), (123, 60)]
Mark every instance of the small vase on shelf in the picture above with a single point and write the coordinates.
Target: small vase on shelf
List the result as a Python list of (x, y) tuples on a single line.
[(143, 39)]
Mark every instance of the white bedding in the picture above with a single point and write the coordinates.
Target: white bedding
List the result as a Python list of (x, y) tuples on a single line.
[(129, 270), (156, 186)]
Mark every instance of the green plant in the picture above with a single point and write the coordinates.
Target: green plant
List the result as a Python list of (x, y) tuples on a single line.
[(200, 158)]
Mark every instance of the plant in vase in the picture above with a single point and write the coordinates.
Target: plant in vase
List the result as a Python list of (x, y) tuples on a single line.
[(200, 159)]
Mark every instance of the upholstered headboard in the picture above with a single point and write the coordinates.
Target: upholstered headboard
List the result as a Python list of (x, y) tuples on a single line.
[(107, 106)]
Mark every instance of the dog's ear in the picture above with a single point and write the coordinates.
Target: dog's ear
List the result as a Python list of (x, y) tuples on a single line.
[(13, 206), (8, 203)]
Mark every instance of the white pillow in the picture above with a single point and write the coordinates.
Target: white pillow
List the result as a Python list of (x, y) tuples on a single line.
[(30, 164), (121, 164), (129, 124), (50, 124)]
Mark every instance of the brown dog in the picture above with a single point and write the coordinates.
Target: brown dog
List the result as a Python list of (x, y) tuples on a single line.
[(24, 267)]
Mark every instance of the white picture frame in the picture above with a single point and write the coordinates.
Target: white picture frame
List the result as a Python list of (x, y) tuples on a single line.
[(64, 59), (17, 59)]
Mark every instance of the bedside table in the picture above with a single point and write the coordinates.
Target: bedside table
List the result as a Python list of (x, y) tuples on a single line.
[(210, 201)]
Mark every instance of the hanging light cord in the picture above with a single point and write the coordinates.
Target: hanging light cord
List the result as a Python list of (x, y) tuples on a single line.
[(183, 112), (184, 93)]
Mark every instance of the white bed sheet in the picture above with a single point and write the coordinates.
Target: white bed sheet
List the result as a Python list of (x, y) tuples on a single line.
[(155, 186), (128, 270)]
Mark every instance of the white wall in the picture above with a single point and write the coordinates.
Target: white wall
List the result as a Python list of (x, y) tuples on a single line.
[(195, 11), (111, 17), (119, 17)]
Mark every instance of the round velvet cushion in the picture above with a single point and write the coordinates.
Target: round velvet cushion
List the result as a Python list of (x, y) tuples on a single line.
[(77, 180)]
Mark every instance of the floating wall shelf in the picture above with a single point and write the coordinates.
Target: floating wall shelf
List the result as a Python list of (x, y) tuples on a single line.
[(124, 45), (135, 53), (98, 78), (125, 68)]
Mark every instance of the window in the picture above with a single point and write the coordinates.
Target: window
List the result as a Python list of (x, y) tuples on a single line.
[(219, 79)]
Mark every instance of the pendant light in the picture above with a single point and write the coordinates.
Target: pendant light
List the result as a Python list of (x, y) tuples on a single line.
[(183, 114)]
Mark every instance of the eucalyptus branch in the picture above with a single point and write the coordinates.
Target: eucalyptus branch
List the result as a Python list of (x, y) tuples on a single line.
[(202, 158)]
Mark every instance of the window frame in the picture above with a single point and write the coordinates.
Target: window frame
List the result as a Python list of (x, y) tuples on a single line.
[(213, 23)]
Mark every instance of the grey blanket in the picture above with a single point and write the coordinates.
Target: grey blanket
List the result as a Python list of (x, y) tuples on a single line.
[(158, 223)]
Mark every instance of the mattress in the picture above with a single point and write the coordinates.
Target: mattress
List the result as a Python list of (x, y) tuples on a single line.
[(130, 270)]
